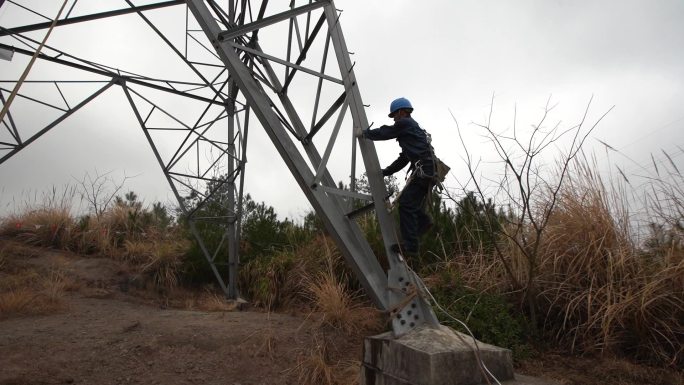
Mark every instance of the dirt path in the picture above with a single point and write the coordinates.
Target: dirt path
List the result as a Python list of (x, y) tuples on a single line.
[(116, 342), (110, 333)]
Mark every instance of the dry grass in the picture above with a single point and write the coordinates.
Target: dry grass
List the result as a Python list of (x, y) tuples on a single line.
[(27, 288), (269, 282), (215, 303), (121, 224), (348, 372), (328, 292), (52, 225), (17, 301), (314, 367), (47, 227), (600, 291), (288, 279), (164, 262), (318, 365), (94, 236), (138, 251), (30, 294), (331, 298), (267, 342), (207, 300), (340, 308), (54, 286)]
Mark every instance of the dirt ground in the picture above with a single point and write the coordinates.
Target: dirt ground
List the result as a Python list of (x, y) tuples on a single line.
[(110, 341), (105, 332)]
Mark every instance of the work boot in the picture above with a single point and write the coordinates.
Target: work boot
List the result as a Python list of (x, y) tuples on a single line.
[(403, 250), (397, 248)]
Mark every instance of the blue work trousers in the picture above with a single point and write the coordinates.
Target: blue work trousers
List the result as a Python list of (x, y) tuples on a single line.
[(413, 220)]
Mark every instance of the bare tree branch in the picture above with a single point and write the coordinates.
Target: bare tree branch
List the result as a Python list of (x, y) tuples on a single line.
[(525, 185), (99, 191)]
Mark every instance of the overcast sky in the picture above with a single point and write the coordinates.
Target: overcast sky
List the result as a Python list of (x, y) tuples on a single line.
[(442, 55)]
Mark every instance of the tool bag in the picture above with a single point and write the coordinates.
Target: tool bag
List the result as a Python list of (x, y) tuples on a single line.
[(441, 169)]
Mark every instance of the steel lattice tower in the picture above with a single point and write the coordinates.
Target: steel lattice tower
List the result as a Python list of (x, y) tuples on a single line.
[(285, 64)]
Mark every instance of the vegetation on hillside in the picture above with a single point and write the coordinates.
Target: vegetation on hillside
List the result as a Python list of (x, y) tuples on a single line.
[(598, 290), (551, 256)]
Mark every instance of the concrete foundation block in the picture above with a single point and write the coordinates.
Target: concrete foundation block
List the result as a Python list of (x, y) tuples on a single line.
[(431, 356)]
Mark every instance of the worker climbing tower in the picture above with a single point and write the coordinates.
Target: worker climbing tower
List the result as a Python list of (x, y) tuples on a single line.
[(285, 64), (281, 67)]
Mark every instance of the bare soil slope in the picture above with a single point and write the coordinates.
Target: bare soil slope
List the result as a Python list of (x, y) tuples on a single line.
[(107, 332)]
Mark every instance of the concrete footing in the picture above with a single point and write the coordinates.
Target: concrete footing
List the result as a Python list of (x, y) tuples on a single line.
[(431, 356)]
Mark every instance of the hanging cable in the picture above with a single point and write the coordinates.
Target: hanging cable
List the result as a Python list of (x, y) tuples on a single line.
[(423, 288), (15, 91)]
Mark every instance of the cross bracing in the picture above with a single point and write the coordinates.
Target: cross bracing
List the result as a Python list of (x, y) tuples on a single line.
[(280, 67)]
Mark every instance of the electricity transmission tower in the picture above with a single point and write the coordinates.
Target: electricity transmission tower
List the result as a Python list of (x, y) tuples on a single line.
[(281, 67)]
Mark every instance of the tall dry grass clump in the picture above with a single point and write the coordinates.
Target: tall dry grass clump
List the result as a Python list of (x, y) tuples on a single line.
[(318, 366), (326, 286), (45, 226), (339, 307), (598, 289), (163, 264), (314, 366), (45, 221)]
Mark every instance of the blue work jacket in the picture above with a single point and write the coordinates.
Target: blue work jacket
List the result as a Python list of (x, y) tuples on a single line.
[(412, 140)]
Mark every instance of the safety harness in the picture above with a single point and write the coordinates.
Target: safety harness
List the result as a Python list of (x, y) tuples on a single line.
[(439, 173)]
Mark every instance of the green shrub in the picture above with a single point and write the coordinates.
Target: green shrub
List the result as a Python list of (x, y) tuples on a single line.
[(262, 234), (262, 280), (488, 316)]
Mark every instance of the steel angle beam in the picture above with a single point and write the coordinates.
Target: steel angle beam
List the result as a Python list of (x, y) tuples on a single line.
[(298, 126), (224, 185), (6, 54), (403, 301), (246, 70), (90, 17), (114, 75), (265, 22), (222, 130), (284, 62), (20, 145), (347, 234)]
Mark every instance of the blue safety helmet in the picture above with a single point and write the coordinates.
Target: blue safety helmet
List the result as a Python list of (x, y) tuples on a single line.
[(398, 104)]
